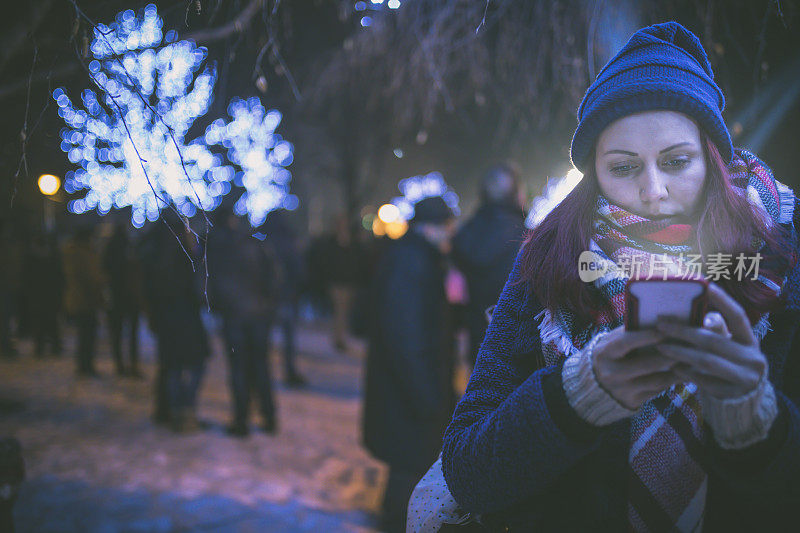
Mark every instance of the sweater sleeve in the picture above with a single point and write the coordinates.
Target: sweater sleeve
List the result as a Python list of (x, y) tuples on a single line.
[(770, 467), (513, 433)]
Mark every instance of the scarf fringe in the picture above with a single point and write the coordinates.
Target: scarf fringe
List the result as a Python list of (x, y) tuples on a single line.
[(787, 199), (762, 327), (550, 331)]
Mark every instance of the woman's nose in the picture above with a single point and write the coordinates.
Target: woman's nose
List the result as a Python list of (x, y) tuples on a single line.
[(652, 186)]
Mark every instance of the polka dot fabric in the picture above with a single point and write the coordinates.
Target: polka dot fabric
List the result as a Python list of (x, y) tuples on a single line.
[(431, 504)]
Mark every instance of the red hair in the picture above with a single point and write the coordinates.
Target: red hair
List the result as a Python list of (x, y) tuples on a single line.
[(728, 224)]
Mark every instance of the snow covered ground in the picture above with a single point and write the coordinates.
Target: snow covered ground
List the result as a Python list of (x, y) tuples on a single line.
[(96, 462)]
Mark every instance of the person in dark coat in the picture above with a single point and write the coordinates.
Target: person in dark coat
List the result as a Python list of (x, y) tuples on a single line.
[(485, 247), (43, 282), (343, 270), (409, 378), (123, 273), (83, 294), (10, 286), (242, 289), (283, 244), (12, 474), (574, 422), (172, 303)]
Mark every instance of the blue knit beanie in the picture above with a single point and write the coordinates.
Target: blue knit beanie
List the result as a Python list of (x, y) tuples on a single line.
[(664, 67)]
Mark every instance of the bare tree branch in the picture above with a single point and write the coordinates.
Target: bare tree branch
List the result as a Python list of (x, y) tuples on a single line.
[(24, 134), (237, 25), (20, 33)]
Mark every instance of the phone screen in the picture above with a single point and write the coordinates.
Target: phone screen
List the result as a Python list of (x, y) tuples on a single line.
[(681, 300)]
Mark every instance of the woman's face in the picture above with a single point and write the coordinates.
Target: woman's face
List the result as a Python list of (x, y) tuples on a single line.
[(652, 164)]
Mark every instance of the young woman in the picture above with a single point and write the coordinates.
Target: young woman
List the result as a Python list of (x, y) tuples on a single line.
[(572, 423)]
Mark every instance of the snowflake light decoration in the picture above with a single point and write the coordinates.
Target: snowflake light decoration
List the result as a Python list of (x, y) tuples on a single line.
[(260, 153), (129, 139), (417, 188)]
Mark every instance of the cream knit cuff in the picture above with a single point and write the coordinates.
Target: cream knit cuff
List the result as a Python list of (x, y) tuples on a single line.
[(741, 422), (584, 393)]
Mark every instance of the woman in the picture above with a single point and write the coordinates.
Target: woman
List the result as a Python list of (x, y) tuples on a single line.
[(572, 423)]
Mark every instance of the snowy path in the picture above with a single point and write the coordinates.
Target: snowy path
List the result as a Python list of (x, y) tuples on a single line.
[(95, 462)]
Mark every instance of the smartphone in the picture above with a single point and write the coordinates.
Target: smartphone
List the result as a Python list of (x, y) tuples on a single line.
[(646, 300)]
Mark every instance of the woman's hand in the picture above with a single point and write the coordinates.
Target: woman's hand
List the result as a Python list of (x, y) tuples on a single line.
[(722, 364), (628, 368)]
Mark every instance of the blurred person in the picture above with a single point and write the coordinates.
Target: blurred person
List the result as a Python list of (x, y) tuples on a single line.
[(10, 283), (484, 249), (368, 252), (172, 303), (242, 289), (83, 293), (123, 272), (343, 271), (316, 285), (573, 422), (12, 474), (43, 284), (283, 244), (409, 393)]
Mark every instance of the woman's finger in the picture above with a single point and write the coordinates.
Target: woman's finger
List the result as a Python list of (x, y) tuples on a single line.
[(642, 362), (712, 385), (653, 384), (619, 344), (713, 321), (734, 315), (704, 340), (707, 363)]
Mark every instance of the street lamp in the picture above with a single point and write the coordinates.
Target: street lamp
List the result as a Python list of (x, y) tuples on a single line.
[(49, 186)]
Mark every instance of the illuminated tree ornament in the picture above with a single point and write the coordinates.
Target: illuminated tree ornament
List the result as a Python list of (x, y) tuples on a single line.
[(260, 153), (129, 139), (417, 188)]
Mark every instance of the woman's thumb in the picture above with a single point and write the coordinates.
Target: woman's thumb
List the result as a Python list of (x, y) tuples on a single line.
[(713, 321)]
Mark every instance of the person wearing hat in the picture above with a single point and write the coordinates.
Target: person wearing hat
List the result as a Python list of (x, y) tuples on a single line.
[(485, 247), (409, 395), (571, 422)]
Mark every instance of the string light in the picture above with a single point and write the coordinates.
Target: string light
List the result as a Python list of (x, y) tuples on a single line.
[(260, 153), (417, 188), (129, 153)]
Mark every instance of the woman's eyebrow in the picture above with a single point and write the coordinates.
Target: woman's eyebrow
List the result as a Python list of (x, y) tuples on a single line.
[(625, 152), (674, 146)]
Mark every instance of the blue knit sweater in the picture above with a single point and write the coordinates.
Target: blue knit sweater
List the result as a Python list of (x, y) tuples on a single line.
[(518, 454)]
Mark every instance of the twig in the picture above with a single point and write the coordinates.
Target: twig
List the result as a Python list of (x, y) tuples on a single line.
[(24, 134), (273, 43), (186, 15), (483, 20), (237, 25)]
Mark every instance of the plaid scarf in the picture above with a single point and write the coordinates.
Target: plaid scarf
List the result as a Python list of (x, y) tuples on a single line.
[(667, 482)]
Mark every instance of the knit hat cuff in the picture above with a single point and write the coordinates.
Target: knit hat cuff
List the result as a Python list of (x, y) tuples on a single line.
[(648, 96)]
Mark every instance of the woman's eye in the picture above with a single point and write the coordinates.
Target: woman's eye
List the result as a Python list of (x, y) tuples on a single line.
[(676, 163), (622, 170)]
